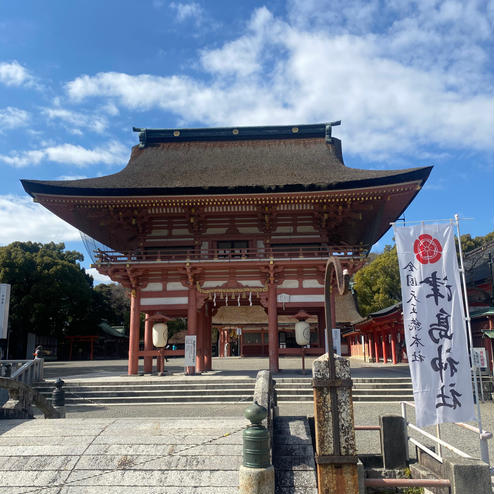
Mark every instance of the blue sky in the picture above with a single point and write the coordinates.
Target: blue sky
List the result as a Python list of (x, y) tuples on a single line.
[(412, 83)]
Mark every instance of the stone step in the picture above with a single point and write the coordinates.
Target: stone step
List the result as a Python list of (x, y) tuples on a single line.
[(198, 398), (281, 380), (139, 392), (154, 393), (48, 386), (157, 388), (214, 390), (355, 386), (163, 381)]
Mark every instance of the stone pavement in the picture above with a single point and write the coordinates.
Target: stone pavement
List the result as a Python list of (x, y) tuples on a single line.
[(124, 456), (233, 367), (222, 367), (165, 448)]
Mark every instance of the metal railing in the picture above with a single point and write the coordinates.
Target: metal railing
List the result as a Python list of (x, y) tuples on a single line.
[(483, 435), (223, 255), (24, 371)]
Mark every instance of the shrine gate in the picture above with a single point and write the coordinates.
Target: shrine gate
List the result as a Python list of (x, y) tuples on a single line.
[(204, 218)]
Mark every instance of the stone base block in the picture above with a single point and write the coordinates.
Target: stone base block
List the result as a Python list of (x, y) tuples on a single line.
[(256, 480)]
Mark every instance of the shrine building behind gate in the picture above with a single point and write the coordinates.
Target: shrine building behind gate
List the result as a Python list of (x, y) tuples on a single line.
[(204, 218)]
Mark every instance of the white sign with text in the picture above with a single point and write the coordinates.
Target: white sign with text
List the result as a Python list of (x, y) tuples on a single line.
[(4, 309), (190, 350), (480, 357)]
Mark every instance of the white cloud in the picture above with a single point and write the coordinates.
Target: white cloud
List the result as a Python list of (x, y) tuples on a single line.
[(111, 109), (70, 154), (23, 220), (184, 11), (71, 177), (242, 56), (11, 117), (392, 94), (77, 120), (98, 277), (14, 74)]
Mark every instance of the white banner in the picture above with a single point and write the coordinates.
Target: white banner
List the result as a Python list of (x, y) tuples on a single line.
[(434, 323), (337, 341), (190, 350), (4, 309)]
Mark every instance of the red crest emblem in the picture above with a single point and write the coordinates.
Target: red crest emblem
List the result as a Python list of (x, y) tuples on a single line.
[(427, 249)]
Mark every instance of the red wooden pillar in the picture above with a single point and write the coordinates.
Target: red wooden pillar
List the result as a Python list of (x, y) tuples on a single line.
[(148, 344), (200, 340), (273, 328), (192, 322), (394, 353), (207, 339), (370, 347), (385, 347), (228, 343), (333, 309), (221, 343), (490, 345), (321, 324), (134, 332), (375, 337)]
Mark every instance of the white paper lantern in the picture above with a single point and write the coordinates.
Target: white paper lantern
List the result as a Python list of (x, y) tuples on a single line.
[(160, 334), (302, 333)]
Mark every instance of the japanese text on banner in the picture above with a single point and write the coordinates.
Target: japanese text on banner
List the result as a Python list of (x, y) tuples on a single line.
[(434, 324)]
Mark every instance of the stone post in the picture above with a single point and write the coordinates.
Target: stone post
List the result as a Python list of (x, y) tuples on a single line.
[(468, 475), (58, 398), (394, 441), (256, 475), (334, 427)]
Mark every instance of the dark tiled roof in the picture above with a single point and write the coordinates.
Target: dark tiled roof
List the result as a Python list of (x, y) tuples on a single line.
[(477, 267), (231, 166), (386, 310)]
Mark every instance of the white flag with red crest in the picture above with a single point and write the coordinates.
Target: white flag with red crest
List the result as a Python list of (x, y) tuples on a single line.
[(434, 324)]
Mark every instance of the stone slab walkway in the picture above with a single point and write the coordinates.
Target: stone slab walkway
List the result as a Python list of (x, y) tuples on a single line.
[(121, 456), (293, 456)]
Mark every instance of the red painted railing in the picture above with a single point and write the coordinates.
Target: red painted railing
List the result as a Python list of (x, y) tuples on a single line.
[(228, 255)]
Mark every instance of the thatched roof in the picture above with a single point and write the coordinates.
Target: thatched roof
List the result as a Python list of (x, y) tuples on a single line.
[(178, 338), (228, 165), (245, 315)]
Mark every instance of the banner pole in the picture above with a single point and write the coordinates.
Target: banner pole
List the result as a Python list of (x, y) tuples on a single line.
[(469, 336)]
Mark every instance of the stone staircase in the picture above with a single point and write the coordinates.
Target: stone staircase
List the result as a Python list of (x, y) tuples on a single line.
[(214, 390), (292, 390)]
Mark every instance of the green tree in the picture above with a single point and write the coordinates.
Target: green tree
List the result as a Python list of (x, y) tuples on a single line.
[(112, 304), (176, 325), (51, 293), (468, 243), (377, 285)]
